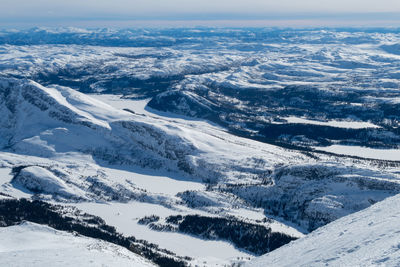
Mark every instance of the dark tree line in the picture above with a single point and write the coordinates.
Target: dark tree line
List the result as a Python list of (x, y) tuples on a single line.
[(14, 211), (254, 238)]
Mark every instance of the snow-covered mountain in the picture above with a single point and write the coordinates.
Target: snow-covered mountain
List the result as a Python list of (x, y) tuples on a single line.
[(366, 238), (77, 149), (51, 123), (211, 146)]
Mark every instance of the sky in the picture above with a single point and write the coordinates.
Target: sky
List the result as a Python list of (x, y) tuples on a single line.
[(27, 13)]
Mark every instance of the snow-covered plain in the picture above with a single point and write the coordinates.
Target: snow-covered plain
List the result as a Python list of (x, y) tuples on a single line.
[(333, 123), (30, 244), (366, 238), (363, 152), (124, 217)]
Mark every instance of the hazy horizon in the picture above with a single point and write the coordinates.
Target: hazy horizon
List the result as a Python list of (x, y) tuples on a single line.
[(180, 13)]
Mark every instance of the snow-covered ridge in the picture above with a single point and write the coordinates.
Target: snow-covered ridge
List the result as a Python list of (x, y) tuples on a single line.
[(367, 238), (53, 118), (55, 122)]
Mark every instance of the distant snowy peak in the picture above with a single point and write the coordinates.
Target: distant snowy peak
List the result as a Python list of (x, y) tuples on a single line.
[(366, 238)]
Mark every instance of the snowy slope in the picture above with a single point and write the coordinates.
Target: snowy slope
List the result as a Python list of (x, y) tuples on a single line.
[(367, 238), (44, 122), (30, 244)]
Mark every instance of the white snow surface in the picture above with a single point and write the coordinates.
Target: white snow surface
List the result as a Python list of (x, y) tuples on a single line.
[(30, 244), (366, 238), (334, 123), (363, 152), (124, 217)]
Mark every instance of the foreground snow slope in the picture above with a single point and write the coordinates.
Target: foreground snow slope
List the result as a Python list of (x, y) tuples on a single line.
[(366, 238), (31, 244)]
